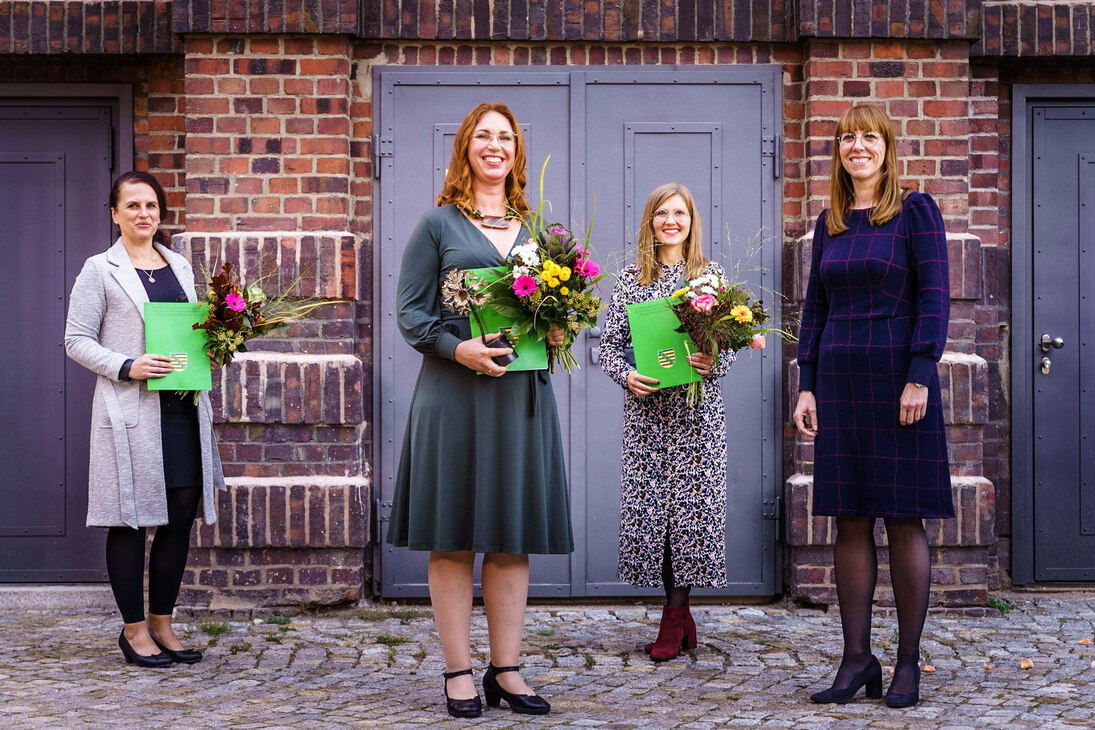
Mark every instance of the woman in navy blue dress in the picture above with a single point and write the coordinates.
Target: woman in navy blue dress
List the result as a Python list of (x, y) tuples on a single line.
[(874, 325)]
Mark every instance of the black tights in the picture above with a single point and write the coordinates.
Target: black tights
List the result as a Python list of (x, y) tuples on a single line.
[(856, 565), (675, 596), (166, 559)]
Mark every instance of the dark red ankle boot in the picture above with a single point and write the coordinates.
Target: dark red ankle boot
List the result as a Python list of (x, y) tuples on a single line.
[(673, 636)]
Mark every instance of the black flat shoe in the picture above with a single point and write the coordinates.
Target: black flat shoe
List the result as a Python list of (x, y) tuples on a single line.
[(523, 704), (132, 657), (870, 676), (472, 707), (182, 656), (900, 699)]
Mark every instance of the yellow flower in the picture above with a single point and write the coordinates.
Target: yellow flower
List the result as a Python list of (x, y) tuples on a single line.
[(564, 291), (551, 280), (741, 313), (564, 273), (681, 292)]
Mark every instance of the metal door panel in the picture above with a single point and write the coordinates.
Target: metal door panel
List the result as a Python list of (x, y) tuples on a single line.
[(419, 114), (682, 137), (1064, 409), (55, 170)]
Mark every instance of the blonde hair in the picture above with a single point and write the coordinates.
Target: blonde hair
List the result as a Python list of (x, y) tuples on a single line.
[(458, 180), (647, 259), (888, 196)]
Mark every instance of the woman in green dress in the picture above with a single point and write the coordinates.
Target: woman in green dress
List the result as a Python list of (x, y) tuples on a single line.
[(482, 464)]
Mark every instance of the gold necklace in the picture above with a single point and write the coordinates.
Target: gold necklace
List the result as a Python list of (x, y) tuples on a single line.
[(497, 222)]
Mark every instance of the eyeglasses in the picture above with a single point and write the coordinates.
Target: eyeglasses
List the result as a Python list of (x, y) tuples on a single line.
[(869, 138), (503, 138), (661, 215)]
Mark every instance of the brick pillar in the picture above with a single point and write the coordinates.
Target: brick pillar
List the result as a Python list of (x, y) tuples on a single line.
[(925, 89), (268, 182)]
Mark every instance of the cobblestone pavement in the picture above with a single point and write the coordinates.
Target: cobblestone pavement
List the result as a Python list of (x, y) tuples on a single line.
[(380, 667)]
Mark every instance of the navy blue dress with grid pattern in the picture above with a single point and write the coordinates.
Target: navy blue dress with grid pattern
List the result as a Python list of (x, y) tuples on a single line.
[(875, 318)]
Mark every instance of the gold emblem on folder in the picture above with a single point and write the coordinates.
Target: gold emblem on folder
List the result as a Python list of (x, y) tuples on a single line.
[(667, 357), (178, 360)]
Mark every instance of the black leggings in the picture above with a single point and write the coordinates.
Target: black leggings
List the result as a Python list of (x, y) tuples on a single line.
[(166, 559)]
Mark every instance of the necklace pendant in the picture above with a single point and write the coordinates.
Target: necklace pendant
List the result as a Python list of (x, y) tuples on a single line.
[(494, 221), (151, 280)]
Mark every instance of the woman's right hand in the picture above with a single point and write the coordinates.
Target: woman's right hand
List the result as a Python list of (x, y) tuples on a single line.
[(475, 355), (150, 366), (639, 385), (806, 414)]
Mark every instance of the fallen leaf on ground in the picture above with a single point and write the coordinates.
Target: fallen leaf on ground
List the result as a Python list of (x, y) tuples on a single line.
[(987, 665), (1092, 665), (1085, 641), (1026, 664), (891, 669), (929, 668)]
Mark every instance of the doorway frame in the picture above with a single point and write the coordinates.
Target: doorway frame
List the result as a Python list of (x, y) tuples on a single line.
[(1024, 98), (771, 164)]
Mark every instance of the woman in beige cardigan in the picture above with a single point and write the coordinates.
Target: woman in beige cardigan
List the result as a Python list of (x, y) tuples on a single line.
[(154, 458)]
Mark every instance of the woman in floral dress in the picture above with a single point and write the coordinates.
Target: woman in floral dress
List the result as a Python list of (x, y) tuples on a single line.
[(673, 496)]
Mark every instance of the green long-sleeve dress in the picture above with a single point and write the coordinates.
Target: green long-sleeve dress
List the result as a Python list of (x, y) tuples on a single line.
[(482, 463)]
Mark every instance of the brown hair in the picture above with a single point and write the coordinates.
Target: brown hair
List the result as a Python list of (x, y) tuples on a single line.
[(458, 184), (695, 261), (140, 177), (888, 196)]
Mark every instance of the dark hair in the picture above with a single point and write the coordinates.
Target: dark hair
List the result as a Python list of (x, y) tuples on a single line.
[(142, 177)]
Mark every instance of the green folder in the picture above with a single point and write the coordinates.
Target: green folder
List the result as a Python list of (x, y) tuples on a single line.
[(531, 352), (660, 351), (169, 330)]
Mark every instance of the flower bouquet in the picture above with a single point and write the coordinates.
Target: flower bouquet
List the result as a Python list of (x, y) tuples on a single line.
[(719, 316), (236, 314), (548, 282)]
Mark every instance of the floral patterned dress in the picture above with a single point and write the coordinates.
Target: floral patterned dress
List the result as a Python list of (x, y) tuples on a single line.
[(674, 457)]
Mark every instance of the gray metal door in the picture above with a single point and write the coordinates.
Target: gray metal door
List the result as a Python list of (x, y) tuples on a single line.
[(55, 172), (1064, 311), (613, 135)]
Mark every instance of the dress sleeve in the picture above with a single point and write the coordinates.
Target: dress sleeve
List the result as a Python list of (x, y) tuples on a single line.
[(815, 312), (86, 309), (418, 298), (928, 258), (617, 335)]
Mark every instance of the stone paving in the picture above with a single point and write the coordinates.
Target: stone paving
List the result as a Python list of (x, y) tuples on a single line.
[(380, 666)]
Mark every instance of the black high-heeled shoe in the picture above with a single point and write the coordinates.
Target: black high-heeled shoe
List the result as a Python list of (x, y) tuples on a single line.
[(182, 656), (132, 657), (870, 676), (523, 704), (472, 707), (902, 699)]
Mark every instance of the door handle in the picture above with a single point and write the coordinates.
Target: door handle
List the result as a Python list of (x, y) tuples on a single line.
[(1046, 364), (595, 333), (1046, 343), (595, 355)]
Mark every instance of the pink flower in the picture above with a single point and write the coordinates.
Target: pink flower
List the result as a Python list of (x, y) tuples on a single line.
[(524, 285), (758, 342), (235, 302), (704, 303), (558, 231), (587, 268)]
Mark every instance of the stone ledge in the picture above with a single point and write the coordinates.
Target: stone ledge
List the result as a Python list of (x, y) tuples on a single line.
[(316, 512), (264, 387), (972, 526)]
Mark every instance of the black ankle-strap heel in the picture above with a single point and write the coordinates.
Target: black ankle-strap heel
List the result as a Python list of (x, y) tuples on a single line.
[(472, 707), (523, 704)]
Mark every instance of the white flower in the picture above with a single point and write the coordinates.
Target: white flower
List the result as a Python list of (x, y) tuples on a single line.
[(520, 271)]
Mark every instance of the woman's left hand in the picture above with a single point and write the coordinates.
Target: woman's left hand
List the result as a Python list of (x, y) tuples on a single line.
[(914, 404), (701, 362), (555, 337)]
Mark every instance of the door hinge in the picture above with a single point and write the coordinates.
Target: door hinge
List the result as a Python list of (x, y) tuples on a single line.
[(770, 508), (382, 147), (772, 146), (382, 513)]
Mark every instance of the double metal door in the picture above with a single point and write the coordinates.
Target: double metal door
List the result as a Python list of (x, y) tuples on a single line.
[(613, 135)]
